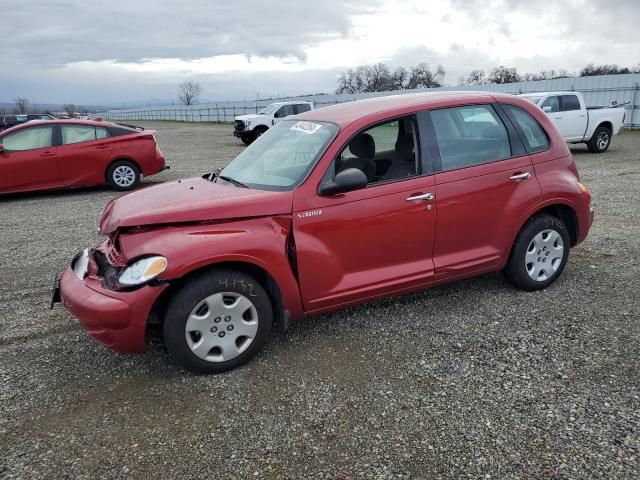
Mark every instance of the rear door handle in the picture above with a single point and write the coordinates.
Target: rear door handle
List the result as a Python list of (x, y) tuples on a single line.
[(47, 154), (520, 176), (420, 196), (102, 146)]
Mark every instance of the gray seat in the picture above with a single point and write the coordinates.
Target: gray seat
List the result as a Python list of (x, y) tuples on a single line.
[(364, 148), (404, 166)]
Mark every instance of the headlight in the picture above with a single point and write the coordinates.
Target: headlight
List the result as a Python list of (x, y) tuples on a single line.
[(142, 271)]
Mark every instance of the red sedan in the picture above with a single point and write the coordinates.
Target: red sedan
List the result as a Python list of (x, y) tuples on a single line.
[(328, 209), (50, 154)]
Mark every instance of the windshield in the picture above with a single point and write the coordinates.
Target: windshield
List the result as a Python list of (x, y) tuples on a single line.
[(281, 157), (269, 109), (533, 99)]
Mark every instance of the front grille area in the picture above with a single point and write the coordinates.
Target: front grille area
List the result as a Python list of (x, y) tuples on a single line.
[(238, 126)]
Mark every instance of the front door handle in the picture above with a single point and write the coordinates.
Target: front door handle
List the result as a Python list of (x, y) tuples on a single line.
[(47, 154), (420, 196), (520, 176)]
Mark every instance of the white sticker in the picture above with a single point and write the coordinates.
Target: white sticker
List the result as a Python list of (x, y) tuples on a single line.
[(307, 127)]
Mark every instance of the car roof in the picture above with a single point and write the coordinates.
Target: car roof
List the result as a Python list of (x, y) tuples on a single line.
[(59, 121), (544, 94), (344, 114)]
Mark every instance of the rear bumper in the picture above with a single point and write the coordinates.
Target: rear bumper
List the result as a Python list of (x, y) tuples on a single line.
[(118, 320)]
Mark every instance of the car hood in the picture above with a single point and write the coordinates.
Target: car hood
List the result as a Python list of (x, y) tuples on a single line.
[(250, 116), (191, 200)]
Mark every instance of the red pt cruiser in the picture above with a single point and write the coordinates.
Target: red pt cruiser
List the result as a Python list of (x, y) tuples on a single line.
[(328, 209)]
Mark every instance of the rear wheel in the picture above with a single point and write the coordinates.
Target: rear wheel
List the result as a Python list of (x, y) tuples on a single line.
[(123, 175), (218, 321), (600, 140), (539, 253)]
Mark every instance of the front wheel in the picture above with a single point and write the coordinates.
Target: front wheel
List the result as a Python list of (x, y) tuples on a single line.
[(539, 253), (247, 139), (218, 321), (123, 175), (600, 140)]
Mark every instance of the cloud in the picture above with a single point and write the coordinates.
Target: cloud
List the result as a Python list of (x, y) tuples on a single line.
[(88, 52), (56, 32)]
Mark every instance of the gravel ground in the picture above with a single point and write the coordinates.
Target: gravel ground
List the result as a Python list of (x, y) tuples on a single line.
[(471, 380)]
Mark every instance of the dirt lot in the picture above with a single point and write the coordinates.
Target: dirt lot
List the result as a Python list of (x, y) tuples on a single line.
[(470, 380)]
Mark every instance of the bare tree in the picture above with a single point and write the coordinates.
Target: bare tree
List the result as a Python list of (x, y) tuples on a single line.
[(70, 109), (503, 74), (421, 76), (475, 77), (378, 78), (188, 92), (22, 105)]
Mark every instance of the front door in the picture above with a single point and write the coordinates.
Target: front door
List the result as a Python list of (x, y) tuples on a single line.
[(374, 241), (29, 159)]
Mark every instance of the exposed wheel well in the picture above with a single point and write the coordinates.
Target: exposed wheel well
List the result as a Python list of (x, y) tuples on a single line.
[(566, 215), (260, 128), (606, 125), (156, 316), (106, 171)]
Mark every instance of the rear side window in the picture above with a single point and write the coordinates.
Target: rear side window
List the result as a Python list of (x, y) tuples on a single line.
[(569, 103), (82, 133), (534, 137), (470, 136), (302, 107), (29, 139)]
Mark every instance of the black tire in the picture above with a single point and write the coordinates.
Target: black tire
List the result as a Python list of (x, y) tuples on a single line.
[(116, 175), (600, 140), (517, 269), (193, 294), (258, 131), (247, 139)]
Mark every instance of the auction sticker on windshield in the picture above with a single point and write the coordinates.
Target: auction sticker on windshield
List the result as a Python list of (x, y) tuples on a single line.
[(307, 127)]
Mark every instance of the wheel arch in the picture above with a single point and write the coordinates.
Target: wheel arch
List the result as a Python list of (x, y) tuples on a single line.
[(266, 280), (562, 212), (120, 158), (260, 126)]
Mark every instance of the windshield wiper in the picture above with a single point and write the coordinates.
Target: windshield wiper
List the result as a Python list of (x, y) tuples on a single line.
[(232, 180)]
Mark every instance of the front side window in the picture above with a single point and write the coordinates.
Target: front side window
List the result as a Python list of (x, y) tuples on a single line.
[(552, 104), (535, 138), (470, 136), (386, 152), (29, 139), (285, 111), (82, 133), (281, 158), (569, 103)]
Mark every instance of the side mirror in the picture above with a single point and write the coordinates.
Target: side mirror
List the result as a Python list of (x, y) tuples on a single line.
[(546, 109), (345, 181), (1, 148)]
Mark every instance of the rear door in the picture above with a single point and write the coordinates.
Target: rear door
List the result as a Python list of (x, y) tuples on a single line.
[(373, 241), (484, 180), (29, 160), (574, 119), (84, 153)]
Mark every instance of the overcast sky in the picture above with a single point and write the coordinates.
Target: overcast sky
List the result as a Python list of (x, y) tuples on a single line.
[(90, 52)]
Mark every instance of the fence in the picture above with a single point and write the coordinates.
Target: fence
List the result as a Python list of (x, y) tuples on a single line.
[(597, 91)]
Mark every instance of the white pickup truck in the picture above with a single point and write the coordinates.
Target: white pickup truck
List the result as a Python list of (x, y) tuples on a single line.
[(578, 123), (249, 127)]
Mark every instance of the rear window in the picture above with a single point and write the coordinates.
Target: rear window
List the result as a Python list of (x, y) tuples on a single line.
[(302, 107), (533, 135), (82, 133)]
